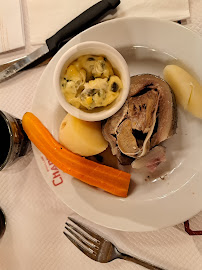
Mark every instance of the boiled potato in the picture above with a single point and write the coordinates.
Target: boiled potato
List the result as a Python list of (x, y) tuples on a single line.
[(82, 137), (188, 91)]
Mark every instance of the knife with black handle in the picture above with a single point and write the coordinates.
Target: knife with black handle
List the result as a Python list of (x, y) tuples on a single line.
[(54, 43)]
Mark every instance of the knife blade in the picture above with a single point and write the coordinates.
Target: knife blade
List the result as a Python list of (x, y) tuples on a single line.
[(13, 61), (20, 64), (54, 43)]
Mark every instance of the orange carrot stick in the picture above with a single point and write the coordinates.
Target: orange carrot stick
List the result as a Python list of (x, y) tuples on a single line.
[(107, 178)]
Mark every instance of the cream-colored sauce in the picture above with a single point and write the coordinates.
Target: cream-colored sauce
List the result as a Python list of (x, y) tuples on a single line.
[(90, 82)]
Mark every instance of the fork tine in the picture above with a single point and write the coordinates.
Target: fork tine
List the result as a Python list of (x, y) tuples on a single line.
[(81, 246), (95, 237), (79, 235), (83, 232)]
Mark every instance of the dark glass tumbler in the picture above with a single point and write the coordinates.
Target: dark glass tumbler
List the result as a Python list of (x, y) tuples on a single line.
[(14, 142)]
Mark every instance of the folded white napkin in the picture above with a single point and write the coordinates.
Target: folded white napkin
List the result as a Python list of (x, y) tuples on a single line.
[(11, 25), (48, 16)]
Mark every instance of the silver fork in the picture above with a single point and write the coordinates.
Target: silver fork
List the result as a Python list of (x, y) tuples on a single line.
[(97, 248)]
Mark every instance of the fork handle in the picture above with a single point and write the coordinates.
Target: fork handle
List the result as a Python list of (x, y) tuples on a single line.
[(140, 262)]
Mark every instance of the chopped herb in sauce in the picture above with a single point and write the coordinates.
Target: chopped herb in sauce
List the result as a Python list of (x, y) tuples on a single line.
[(114, 87), (91, 59)]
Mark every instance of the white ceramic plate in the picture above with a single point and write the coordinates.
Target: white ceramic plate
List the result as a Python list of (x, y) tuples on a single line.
[(148, 45)]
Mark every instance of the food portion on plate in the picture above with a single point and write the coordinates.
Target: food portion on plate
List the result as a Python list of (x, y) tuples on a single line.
[(90, 82), (130, 132), (107, 178), (82, 137), (187, 89), (148, 117)]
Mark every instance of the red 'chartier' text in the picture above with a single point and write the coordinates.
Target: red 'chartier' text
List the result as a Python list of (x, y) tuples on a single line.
[(57, 178)]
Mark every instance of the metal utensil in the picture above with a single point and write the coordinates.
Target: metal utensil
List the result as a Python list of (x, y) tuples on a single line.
[(10, 63), (54, 43), (97, 248)]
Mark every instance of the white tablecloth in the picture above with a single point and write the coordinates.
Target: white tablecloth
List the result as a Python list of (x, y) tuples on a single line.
[(36, 217)]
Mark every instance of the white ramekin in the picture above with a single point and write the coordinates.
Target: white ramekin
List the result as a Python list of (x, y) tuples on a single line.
[(118, 63)]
